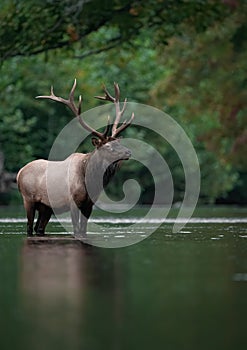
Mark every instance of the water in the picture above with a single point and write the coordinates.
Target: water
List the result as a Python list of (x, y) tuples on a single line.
[(170, 291)]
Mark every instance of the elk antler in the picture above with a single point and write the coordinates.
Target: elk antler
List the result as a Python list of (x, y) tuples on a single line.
[(77, 111), (119, 111)]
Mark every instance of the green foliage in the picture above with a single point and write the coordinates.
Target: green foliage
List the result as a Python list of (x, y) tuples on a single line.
[(204, 85), (60, 24), (199, 77), (32, 125), (26, 131)]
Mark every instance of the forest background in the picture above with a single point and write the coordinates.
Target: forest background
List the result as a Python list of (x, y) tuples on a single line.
[(187, 58)]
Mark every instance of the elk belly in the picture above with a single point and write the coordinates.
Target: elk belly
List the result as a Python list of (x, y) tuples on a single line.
[(57, 185)]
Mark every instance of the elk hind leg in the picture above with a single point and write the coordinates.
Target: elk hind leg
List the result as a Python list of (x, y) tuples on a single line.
[(43, 219), (37, 222), (30, 211)]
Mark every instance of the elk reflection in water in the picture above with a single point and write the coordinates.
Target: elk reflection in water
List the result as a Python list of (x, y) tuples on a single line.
[(60, 278)]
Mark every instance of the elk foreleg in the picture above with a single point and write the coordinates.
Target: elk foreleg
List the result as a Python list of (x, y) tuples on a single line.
[(85, 212), (79, 222), (83, 225), (75, 217), (79, 216)]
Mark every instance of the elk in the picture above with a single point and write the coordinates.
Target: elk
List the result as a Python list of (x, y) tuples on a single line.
[(75, 183)]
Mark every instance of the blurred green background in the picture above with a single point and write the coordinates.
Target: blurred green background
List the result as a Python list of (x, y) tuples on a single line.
[(187, 58)]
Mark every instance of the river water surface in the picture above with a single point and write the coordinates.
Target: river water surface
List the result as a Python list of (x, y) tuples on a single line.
[(170, 291)]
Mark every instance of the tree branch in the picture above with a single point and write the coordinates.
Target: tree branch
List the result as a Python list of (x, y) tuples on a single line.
[(113, 43)]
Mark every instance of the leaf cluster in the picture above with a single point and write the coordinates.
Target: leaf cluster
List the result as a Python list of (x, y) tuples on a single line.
[(186, 57)]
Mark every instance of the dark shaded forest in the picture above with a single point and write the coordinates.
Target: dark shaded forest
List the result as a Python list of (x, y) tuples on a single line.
[(187, 58)]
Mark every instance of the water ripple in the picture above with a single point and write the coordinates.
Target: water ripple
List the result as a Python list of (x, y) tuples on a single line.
[(132, 220)]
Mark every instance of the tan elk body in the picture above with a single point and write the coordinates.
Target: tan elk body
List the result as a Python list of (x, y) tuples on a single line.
[(75, 183)]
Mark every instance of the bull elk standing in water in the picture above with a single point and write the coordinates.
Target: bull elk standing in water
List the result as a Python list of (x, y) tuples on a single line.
[(67, 178)]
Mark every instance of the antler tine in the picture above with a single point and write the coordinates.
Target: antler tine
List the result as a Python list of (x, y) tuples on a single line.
[(72, 91), (90, 129), (124, 126), (107, 96), (76, 110), (117, 92), (119, 111), (70, 102), (79, 105), (107, 129)]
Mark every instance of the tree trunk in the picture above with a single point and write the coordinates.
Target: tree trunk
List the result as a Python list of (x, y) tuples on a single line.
[(6, 179)]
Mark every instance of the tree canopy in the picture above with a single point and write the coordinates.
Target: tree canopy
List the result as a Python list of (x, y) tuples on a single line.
[(204, 85), (31, 27), (185, 57)]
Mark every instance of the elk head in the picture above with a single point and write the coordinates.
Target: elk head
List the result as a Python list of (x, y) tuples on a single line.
[(102, 141)]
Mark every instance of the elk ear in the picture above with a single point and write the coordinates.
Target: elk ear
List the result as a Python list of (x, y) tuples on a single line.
[(96, 142)]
